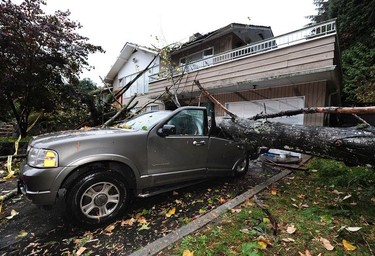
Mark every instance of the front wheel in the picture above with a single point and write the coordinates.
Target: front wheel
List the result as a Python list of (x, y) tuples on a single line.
[(96, 198)]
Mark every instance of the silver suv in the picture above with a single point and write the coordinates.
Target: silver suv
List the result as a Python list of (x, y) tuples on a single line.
[(95, 172)]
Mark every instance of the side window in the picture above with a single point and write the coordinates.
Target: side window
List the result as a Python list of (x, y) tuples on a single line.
[(189, 122)]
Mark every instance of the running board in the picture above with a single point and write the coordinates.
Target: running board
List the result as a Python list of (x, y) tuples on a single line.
[(167, 189)]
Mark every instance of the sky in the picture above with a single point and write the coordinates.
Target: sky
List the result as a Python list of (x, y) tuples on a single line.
[(112, 23)]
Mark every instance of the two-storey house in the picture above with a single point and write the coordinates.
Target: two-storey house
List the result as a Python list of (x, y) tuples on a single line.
[(250, 71)]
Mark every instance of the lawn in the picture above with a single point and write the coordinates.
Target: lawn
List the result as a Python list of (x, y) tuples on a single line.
[(327, 210)]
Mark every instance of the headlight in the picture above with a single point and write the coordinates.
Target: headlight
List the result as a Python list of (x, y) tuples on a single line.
[(42, 158)]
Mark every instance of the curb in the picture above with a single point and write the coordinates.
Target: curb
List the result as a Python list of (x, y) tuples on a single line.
[(174, 236)]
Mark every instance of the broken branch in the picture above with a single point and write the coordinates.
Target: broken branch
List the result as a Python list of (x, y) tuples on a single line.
[(328, 110), (208, 95)]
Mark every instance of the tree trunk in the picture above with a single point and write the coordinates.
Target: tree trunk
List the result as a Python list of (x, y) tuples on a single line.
[(351, 145)]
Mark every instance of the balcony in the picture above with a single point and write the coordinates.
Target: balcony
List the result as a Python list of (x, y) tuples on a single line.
[(300, 56)]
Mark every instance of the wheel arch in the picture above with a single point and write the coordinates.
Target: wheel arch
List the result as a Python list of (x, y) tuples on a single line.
[(122, 169)]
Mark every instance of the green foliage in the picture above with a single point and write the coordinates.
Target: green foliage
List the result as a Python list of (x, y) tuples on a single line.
[(86, 108), (338, 174), (356, 31), (41, 57)]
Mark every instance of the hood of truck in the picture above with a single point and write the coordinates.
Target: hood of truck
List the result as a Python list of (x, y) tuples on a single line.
[(51, 139)]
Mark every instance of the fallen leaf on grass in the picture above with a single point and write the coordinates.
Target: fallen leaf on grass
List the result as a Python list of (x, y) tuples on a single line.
[(327, 244), (288, 240), (245, 231), (300, 206), (266, 220), (1, 207), (22, 233), (222, 200), (337, 192), (307, 253), (274, 191), (248, 203), (12, 214), (235, 210), (171, 212), (262, 245), (188, 253), (353, 229), (202, 211), (262, 239), (300, 196), (348, 246), (346, 197), (291, 229)]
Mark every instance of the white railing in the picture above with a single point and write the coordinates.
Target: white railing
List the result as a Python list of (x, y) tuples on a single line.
[(278, 42)]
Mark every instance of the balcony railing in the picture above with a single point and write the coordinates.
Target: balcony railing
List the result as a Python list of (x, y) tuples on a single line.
[(285, 40)]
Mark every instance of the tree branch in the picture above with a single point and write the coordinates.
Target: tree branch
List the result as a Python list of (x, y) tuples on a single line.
[(113, 118), (208, 95), (328, 110)]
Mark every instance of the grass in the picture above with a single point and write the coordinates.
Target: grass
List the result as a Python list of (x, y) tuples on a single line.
[(328, 210)]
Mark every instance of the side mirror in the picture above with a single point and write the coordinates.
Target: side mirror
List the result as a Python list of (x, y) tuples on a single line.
[(167, 129)]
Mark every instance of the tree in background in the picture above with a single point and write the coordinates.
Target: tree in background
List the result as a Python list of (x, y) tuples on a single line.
[(356, 30), (41, 57), (98, 103)]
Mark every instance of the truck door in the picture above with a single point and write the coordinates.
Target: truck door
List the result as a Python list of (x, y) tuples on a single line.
[(180, 156)]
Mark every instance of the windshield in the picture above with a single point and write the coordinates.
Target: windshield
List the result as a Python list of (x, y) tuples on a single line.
[(144, 121)]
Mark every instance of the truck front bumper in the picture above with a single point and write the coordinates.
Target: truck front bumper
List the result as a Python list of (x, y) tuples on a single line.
[(37, 184)]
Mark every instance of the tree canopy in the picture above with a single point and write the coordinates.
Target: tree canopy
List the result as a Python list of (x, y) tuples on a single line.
[(356, 30), (41, 58)]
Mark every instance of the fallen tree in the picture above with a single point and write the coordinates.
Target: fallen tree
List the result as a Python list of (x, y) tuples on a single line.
[(351, 145), (354, 145)]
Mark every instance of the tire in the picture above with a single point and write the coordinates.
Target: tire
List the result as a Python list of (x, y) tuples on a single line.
[(242, 167), (96, 198)]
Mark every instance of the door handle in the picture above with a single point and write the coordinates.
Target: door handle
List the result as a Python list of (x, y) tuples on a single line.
[(199, 143)]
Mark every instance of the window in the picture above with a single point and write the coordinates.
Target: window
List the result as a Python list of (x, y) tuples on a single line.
[(152, 108), (189, 122), (194, 60), (208, 53), (140, 86)]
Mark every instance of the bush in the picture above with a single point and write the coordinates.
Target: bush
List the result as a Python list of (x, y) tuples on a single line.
[(338, 174)]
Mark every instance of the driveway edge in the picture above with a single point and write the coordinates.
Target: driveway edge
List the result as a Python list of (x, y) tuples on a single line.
[(174, 236)]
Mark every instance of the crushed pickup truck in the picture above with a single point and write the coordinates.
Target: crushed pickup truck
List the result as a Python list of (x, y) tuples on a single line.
[(95, 172)]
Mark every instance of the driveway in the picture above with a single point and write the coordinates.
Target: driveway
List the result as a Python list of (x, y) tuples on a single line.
[(33, 231)]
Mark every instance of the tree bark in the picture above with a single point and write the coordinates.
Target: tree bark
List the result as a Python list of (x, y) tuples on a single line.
[(352, 145), (329, 110)]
